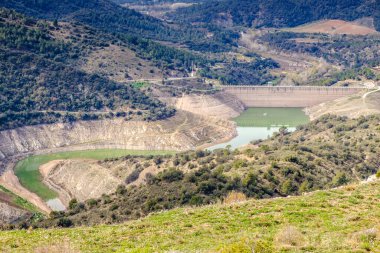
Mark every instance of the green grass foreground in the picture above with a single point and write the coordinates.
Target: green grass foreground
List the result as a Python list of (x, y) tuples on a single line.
[(343, 220), (266, 117), (27, 170)]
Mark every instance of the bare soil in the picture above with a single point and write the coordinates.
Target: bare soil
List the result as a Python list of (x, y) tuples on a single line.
[(335, 26), (354, 106)]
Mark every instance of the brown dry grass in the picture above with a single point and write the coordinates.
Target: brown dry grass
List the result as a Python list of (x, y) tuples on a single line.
[(234, 197), (64, 247), (335, 27), (290, 236)]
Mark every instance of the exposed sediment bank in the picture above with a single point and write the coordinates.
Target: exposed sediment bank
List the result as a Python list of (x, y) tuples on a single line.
[(182, 132), (220, 105)]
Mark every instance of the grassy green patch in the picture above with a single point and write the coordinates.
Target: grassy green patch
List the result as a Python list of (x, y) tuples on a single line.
[(18, 200), (319, 222), (266, 117), (30, 177), (139, 85)]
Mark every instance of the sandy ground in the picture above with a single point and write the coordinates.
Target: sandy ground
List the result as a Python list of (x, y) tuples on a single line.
[(335, 27), (11, 182), (351, 106), (47, 167)]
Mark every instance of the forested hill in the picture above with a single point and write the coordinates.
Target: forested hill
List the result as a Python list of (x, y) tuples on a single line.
[(41, 83), (102, 14), (277, 13)]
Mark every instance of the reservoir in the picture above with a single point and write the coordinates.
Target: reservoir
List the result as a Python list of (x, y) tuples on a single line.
[(260, 123)]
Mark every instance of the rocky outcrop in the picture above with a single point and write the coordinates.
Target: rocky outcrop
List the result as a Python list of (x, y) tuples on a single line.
[(10, 214), (221, 104), (182, 132)]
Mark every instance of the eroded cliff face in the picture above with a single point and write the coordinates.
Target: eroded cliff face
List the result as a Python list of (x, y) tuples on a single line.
[(220, 105), (181, 132)]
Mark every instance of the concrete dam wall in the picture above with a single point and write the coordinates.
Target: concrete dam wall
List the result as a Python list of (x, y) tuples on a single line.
[(288, 96)]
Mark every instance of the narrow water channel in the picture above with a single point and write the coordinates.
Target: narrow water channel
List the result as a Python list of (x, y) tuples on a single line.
[(260, 123)]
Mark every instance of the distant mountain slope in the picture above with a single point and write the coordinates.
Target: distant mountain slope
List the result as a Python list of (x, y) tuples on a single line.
[(101, 14), (151, 2), (40, 81), (273, 13)]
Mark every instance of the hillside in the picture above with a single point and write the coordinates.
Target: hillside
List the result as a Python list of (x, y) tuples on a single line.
[(41, 81), (328, 152), (284, 13), (342, 220), (335, 26), (101, 14), (112, 18)]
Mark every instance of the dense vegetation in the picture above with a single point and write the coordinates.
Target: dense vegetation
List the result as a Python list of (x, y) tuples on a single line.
[(242, 73), (101, 14), (328, 152), (347, 50), (112, 18), (153, 2), (342, 220), (274, 13), (39, 82)]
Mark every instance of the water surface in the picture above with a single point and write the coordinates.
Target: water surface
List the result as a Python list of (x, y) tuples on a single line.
[(260, 123), (56, 204)]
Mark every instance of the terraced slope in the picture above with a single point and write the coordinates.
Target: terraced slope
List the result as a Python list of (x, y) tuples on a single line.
[(341, 220)]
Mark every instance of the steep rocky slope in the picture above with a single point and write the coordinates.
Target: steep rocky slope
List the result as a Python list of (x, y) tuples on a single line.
[(220, 105), (181, 132)]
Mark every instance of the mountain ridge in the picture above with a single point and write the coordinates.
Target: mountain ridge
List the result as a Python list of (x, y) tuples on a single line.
[(284, 13)]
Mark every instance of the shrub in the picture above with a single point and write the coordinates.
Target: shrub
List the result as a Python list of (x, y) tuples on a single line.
[(286, 187), (378, 174), (340, 179), (121, 190), (171, 175), (91, 202), (64, 223), (73, 203), (262, 246), (237, 247)]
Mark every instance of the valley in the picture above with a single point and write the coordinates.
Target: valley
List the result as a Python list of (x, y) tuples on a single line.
[(189, 126)]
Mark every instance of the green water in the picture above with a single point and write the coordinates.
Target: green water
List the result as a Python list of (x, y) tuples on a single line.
[(27, 170), (261, 123)]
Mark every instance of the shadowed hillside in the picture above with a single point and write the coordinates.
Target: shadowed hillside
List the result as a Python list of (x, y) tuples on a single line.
[(284, 13)]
